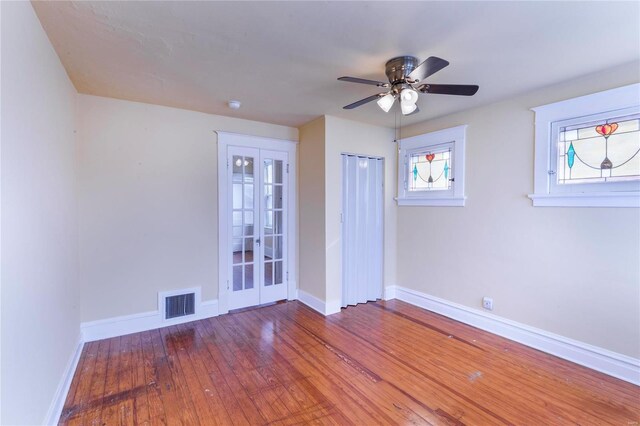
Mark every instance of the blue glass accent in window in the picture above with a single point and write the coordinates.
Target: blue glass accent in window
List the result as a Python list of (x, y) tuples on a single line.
[(571, 154), (415, 172), (446, 170)]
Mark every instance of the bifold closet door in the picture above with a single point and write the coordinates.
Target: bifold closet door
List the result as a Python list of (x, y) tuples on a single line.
[(362, 229)]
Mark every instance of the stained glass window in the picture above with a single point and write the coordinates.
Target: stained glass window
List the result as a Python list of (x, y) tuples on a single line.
[(599, 151), (587, 150), (430, 170)]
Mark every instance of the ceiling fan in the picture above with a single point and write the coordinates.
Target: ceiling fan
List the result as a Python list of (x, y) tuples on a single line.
[(405, 81)]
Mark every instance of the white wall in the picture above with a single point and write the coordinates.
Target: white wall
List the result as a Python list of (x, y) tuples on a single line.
[(40, 302), (148, 202), (571, 271)]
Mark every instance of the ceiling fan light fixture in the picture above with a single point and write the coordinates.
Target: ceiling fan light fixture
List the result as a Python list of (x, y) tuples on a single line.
[(409, 96), (407, 108), (386, 102)]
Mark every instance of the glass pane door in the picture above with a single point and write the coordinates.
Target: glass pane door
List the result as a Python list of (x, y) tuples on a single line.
[(274, 203), (258, 214), (244, 229)]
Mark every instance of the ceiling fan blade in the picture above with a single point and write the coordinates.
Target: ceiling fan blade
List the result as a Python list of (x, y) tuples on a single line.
[(430, 66), (364, 101), (364, 81), (449, 89)]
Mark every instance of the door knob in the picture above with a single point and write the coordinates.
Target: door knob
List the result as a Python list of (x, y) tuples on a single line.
[(258, 241)]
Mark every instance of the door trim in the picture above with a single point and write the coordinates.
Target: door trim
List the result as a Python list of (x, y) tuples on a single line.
[(226, 139)]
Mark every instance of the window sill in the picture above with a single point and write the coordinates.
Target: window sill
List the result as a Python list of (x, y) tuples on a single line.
[(595, 199), (434, 202)]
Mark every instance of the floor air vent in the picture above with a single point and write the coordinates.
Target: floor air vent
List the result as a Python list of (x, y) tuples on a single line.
[(179, 305)]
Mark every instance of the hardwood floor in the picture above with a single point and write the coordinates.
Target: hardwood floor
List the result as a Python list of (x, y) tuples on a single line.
[(378, 363)]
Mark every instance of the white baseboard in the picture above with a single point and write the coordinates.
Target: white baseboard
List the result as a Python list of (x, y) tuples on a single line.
[(599, 359), (127, 324), (328, 308), (332, 307), (311, 301), (390, 292), (59, 398)]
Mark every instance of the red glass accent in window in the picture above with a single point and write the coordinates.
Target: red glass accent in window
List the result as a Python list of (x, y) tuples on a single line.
[(606, 129), (430, 157)]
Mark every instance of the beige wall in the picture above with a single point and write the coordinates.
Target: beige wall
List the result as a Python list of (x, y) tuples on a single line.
[(322, 142), (40, 302), (571, 271), (148, 202), (346, 136), (311, 199), (96, 233)]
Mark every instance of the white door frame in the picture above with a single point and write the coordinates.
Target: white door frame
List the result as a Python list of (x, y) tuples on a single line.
[(225, 140)]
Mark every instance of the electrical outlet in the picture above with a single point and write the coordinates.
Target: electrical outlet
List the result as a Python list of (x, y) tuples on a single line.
[(487, 303)]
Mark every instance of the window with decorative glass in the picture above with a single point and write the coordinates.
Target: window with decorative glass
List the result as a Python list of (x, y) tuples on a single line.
[(587, 150), (597, 150), (430, 170)]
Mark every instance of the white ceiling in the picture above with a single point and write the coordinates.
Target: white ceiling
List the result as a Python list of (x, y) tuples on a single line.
[(281, 59)]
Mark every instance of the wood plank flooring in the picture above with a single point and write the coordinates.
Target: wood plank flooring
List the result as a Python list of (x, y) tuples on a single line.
[(377, 363)]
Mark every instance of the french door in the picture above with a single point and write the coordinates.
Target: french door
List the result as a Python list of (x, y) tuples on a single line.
[(257, 218)]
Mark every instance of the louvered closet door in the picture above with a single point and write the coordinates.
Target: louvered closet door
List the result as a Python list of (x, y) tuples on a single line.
[(362, 229)]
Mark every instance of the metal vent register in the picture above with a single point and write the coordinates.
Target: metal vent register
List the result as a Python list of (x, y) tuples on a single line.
[(179, 305)]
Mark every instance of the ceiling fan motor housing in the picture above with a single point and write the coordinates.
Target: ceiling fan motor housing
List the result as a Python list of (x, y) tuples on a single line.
[(397, 69)]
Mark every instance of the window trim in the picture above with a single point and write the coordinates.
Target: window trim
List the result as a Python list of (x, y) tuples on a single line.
[(619, 186), (453, 197), (545, 116)]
